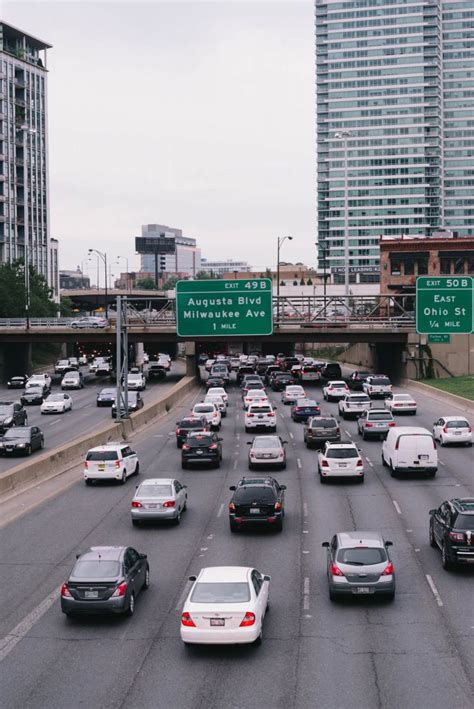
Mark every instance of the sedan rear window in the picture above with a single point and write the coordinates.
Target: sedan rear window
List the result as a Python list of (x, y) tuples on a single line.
[(221, 593), (457, 424), (342, 453), (154, 491), (265, 442), (92, 569), (198, 441), (380, 416), (246, 495), (203, 409), (362, 556), (102, 455), (190, 424), (464, 522), (259, 409)]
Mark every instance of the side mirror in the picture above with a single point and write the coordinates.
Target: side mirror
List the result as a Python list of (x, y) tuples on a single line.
[(325, 544), (389, 544), (233, 488), (282, 487), (284, 442), (432, 512), (249, 443), (192, 578), (143, 556), (267, 578), (77, 556)]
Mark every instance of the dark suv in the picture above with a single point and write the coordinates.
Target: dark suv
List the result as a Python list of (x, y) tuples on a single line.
[(12, 414), (203, 447), (320, 429), (259, 501), (190, 424), (331, 371), (452, 530)]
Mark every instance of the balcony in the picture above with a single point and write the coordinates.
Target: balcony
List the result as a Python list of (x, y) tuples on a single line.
[(20, 102)]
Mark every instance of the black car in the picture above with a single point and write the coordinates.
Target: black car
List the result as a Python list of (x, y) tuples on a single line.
[(12, 414), (270, 371), (18, 382), (331, 371), (303, 409), (289, 362), (22, 440), (203, 447), (320, 429), (257, 501), (280, 380), (452, 530), (187, 425), (156, 371), (35, 394), (105, 580), (106, 397), (134, 400), (215, 382), (356, 380)]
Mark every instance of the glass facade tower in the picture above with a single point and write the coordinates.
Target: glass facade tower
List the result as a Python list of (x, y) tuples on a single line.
[(382, 69)]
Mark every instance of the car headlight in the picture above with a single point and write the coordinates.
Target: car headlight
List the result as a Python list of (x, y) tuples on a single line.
[(8, 421), (21, 445)]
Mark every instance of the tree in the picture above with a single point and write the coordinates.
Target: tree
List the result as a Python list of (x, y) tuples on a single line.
[(206, 276), (13, 293), (302, 282), (295, 283), (66, 307), (170, 283), (146, 283), (309, 282)]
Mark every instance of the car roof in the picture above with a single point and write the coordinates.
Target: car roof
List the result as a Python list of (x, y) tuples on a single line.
[(414, 430), (267, 438), (108, 446), (256, 480), (336, 381), (227, 573), (464, 504), (106, 553), (351, 539), (343, 444), (454, 418), (157, 481)]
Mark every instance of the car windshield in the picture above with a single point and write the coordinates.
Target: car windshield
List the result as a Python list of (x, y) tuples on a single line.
[(245, 495), (198, 441), (266, 442), (380, 381), (100, 569), (102, 455), (154, 491), (71, 375), (457, 424), (324, 423), (464, 522), (56, 397), (342, 453), (237, 592), (108, 392), (306, 403), (63, 361), (6, 409), (380, 416), (203, 409), (17, 432), (362, 556)]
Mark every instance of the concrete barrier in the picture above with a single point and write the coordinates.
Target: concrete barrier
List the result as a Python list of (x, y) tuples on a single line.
[(459, 401), (62, 458)]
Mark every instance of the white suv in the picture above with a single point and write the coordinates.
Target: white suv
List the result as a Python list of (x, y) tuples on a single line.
[(210, 412), (39, 380), (260, 415), (377, 386), (340, 460), (352, 405), (114, 461), (136, 381)]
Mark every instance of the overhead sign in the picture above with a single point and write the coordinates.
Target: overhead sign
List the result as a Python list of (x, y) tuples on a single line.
[(440, 339), (155, 245), (444, 305), (217, 308)]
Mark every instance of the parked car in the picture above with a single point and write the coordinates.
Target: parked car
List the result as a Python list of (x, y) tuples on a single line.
[(358, 564), (401, 404), (12, 413), (353, 405), (267, 451), (410, 449), (18, 382), (303, 409), (159, 499), (257, 501), (375, 423), (56, 404), (452, 530), (452, 429), (189, 424), (106, 397), (21, 440), (320, 429), (72, 380), (34, 395), (356, 380), (113, 461), (335, 390), (340, 460), (105, 580), (260, 415), (201, 447), (377, 386), (92, 322), (134, 401)]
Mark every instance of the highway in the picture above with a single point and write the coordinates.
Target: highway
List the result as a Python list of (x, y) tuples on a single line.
[(85, 415), (416, 653)]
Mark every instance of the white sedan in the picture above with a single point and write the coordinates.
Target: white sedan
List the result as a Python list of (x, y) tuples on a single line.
[(225, 606), (220, 391), (56, 404), (452, 429), (292, 393), (401, 404), (254, 396)]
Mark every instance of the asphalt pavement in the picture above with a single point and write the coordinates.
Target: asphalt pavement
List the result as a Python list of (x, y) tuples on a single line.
[(417, 652)]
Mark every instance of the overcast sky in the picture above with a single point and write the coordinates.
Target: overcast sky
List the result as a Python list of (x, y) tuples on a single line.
[(198, 115)]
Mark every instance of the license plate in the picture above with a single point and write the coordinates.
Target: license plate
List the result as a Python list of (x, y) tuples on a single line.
[(380, 425), (101, 466), (91, 594), (199, 452), (153, 506), (343, 465), (255, 511), (260, 416), (457, 433), (361, 589), (217, 621), (423, 457)]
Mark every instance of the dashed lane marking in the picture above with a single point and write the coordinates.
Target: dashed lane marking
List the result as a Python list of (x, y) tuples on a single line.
[(305, 509), (291, 435), (298, 463), (53, 423), (306, 594), (235, 464), (10, 640), (221, 510), (370, 462), (441, 463), (434, 590), (397, 506)]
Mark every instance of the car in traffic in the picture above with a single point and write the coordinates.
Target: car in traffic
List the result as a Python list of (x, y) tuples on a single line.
[(56, 404), (188, 424), (375, 423), (210, 412), (62, 366), (12, 413), (18, 382), (215, 382), (134, 401), (280, 380), (43, 380), (358, 564), (105, 579), (303, 409), (410, 449), (356, 380), (220, 370), (243, 370), (208, 365), (401, 404), (340, 460), (218, 401), (292, 393), (201, 447), (377, 386), (331, 371), (156, 371), (136, 381), (254, 396), (106, 396), (112, 461), (90, 321), (21, 440), (320, 429), (257, 501), (267, 451), (72, 380), (158, 499), (220, 391), (225, 606), (452, 531), (34, 395), (260, 415), (452, 429), (335, 390), (353, 405)]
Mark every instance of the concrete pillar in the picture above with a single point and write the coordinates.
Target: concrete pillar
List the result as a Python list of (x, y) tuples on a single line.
[(191, 360), (139, 354)]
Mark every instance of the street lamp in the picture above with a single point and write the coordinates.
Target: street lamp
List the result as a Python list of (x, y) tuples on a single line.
[(344, 136), (129, 285), (103, 256), (280, 241)]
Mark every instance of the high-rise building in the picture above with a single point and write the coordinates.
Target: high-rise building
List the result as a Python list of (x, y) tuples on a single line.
[(395, 131), (24, 197), (185, 260)]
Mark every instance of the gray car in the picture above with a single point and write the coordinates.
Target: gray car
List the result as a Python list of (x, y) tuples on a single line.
[(320, 429), (358, 564), (159, 499), (375, 423)]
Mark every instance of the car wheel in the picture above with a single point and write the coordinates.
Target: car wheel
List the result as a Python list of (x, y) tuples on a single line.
[(279, 526), (89, 481), (247, 430), (250, 466), (123, 479), (217, 464), (283, 465), (136, 522), (137, 468), (393, 471), (29, 450), (177, 519), (363, 435), (41, 444), (131, 605), (446, 563), (432, 537), (233, 527), (185, 506), (332, 596), (441, 441), (390, 596), (184, 465)]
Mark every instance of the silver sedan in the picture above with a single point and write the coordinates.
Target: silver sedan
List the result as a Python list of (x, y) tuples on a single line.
[(159, 499)]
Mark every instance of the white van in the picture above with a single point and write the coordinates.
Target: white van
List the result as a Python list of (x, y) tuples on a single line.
[(409, 449)]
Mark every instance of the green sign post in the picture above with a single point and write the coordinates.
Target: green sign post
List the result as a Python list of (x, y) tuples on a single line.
[(440, 339), (218, 308), (444, 305)]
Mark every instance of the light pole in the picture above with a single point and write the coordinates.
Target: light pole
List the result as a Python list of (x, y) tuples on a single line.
[(280, 241), (344, 136), (103, 256), (129, 285)]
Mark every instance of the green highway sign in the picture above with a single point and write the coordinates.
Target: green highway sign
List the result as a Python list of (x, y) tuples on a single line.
[(444, 339), (216, 308), (444, 304)]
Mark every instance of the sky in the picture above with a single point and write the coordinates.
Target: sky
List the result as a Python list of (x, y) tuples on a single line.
[(198, 115)]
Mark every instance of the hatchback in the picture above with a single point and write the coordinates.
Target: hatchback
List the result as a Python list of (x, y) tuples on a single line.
[(159, 499), (375, 423), (267, 451), (358, 564), (201, 448), (320, 429), (303, 409), (340, 460), (257, 502), (187, 425), (452, 530), (452, 429)]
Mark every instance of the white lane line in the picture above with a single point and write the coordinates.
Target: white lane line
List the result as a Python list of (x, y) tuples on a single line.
[(221, 510), (370, 463), (237, 435), (10, 640), (53, 423), (305, 531), (434, 590), (291, 435), (235, 464), (185, 592), (348, 433), (305, 552), (298, 463), (306, 594), (160, 435), (305, 509), (441, 463), (204, 548), (397, 506)]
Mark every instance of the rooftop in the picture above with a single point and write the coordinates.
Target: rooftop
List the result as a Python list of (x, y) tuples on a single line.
[(10, 32)]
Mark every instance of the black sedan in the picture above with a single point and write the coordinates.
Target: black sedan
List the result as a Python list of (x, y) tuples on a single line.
[(21, 440), (303, 409), (215, 382), (280, 381), (201, 448), (105, 580), (257, 501), (34, 395), (187, 425), (18, 382), (106, 397), (12, 414)]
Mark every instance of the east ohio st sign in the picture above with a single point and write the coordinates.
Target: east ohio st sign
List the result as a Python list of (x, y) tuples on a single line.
[(444, 305)]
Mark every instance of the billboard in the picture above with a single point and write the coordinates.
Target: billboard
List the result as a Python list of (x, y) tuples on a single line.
[(154, 245)]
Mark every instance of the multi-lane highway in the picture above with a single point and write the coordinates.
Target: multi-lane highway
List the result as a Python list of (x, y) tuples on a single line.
[(417, 652), (85, 415)]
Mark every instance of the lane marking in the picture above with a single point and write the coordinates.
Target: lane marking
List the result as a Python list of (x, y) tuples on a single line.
[(53, 423), (347, 432), (370, 462), (10, 640), (306, 594), (305, 509), (441, 463), (397, 506), (291, 435), (204, 548), (409, 530), (305, 552), (306, 586), (305, 531), (235, 464), (434, 590), (185, 592), (298, 463), (221, 510)]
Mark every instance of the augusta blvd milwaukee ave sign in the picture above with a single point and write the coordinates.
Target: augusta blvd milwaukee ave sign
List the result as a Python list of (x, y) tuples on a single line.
[(221, 308), (444, 305)]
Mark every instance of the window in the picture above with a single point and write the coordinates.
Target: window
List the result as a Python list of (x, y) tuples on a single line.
[(237, 592), (409, 268), (445, 265), (459, 265), (422, 267), (395, 268), (257, 581)]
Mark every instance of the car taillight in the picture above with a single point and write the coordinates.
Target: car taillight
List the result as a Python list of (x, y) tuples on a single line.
[(456, 536), (135, 503), (445, 429), (185, 447), (338, 429), (324, 464), (392, 423), (249, 619), (65, 592), (213, 447), (297, 408), (271, 413), (86, 465), (117, 464), (369, 425), (388, 571), (169, 503), (335, 570), (231, 506), (277, 505), (178, 431), (187, 620), (469, 429), (250, 416), (359, 463), (120, 590)]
